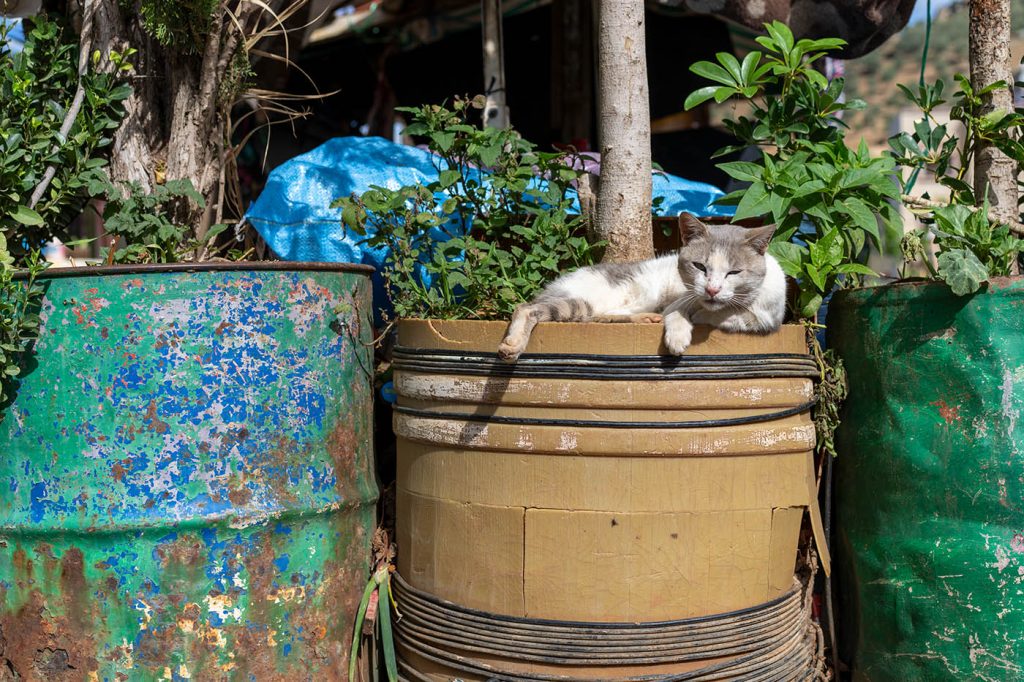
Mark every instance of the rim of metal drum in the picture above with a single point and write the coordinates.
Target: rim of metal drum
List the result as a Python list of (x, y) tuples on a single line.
[(591, 366), (157, 268), (897, 293)]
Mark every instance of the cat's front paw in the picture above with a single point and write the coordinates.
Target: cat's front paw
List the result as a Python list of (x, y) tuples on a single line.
[(510, 349), (645, 318), (678, 336)]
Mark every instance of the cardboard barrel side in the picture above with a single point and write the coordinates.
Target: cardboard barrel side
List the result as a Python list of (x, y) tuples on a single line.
[(598, 480)]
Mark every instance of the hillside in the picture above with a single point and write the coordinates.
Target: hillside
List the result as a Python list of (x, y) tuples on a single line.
[(873, 78)]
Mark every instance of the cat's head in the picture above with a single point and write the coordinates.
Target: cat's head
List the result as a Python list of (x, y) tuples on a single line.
[(723, 265)]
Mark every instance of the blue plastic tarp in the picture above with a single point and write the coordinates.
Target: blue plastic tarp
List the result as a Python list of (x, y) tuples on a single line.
[(293, 213)]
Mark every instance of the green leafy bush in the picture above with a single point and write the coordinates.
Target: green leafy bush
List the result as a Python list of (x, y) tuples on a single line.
[(971, 248), (829, 202), (37, 86), (19, 319), (181, 24), (521, 236), (147, 224)]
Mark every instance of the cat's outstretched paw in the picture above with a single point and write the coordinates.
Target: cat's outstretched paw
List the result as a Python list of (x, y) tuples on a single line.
[(644, 318), (509, 351), (678, 337)]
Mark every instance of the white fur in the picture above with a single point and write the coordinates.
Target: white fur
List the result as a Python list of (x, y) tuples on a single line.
[(657, 284), (658, 292)]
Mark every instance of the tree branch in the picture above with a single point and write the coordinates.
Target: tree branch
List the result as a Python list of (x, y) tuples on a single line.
[(85, 48), (921, 202)]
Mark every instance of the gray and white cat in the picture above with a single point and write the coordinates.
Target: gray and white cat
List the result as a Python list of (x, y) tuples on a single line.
[(722, 276)]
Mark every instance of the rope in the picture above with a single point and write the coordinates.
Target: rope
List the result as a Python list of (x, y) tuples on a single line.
[(621, 367), (770, 641), (598, 423)]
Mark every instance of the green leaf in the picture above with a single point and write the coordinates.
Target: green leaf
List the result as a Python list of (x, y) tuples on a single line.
[(712, 72), (443, 141), (862, 216), (448, 177), (743, 170), (732, 66), (809, 304), (26, 216), (755, 202), (790, 257), (962, 271), (357, 633), (700, 96), (748, 69), (387, 636), (855, 269)]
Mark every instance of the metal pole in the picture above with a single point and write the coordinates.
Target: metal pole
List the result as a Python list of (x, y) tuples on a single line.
[(495, 110)]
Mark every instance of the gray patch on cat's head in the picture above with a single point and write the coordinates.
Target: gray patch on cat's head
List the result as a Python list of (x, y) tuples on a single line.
[(617, 273), (732, 258)]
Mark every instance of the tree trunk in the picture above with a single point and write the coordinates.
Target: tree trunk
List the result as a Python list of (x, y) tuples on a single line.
[(495, 109), (995, 173), (624, 198), (178, 115)]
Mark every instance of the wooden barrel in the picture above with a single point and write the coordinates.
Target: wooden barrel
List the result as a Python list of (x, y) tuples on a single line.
[(596, 481)]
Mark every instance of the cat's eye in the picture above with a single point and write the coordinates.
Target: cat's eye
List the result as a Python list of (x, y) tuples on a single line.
[(734, 272), (700, 266)]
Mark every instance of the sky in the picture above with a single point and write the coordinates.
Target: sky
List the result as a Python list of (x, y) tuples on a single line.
[(921, 9)]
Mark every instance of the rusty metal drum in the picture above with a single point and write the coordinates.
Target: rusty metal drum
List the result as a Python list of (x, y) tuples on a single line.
[(188, 489)]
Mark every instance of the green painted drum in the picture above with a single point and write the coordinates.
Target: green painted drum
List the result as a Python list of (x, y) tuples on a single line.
[(186, 475), (930, 482)]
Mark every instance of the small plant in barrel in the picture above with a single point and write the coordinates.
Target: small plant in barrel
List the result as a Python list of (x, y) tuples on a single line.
[(496, 225), (970, 245), (830, 202)]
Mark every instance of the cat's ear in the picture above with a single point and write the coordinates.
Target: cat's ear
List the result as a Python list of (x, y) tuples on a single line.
[(760, 237), (690, 228)]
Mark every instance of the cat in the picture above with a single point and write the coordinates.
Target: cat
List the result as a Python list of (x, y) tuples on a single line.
[(721, 276)]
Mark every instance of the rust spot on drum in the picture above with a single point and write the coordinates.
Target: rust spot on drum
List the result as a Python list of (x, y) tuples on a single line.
[(949, 413), (153, 421), (341, 446), (240, 496), (38, 644)]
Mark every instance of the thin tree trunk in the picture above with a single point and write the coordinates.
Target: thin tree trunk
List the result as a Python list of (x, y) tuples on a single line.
[(495, 109), (624, 199), (995, 174)]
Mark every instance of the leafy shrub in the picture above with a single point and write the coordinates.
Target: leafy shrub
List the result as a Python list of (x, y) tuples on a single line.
[(181, 24), (827, 199), (147, 224), (37, 86), (514, 200), (19, 319), (971, 248)]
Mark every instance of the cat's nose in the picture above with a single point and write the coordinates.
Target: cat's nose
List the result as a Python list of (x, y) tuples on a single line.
[(712, 291)]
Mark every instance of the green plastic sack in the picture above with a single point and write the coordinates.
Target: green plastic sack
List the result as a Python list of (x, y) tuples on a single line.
[(929, 492)]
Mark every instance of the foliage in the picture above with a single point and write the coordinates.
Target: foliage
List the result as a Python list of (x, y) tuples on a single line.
[(147, 224), (19, 318), (830, 391), (380, 583), (971, 249), (36, 89), (827, 200), (180, 24), (514, 200)]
